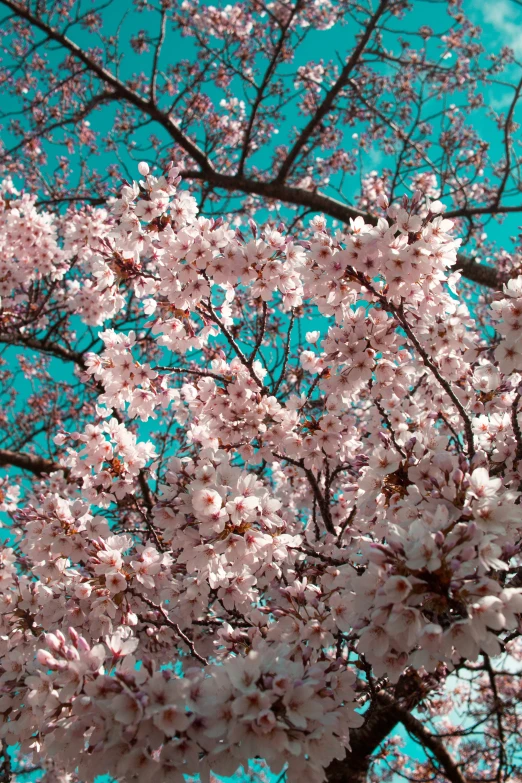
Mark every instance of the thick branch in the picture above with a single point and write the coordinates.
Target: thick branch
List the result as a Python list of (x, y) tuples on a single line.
[(380, 722), (516, 427), (278, 191), (489, 209), (384, 715), (30, 462), (43, 346), (478, 273)]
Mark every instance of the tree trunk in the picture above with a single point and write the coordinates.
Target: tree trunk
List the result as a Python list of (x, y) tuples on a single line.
[(381, 719), (350, 770), (364, 741)]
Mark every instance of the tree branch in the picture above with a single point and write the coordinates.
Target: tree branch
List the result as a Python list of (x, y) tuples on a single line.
[(428, 362), (174, 626), (315, 201), (143, 104), (276, 189), (44, 346), (322, 502), (30, 462), (448, 766), (261, 90), (477, 273), (381, 719), (331, 95)]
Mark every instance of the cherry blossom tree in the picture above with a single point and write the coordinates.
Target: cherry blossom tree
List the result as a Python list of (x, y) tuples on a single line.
[(245, 545), (261, 471)]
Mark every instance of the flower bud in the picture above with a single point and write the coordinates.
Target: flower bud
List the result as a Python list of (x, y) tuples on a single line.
[(72, 654), (73, 634), (83, 644), (472, 530), (468, 553), (45, 658), (53, 642)]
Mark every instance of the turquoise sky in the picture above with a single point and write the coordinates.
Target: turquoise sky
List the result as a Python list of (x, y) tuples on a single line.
[(502, 22)]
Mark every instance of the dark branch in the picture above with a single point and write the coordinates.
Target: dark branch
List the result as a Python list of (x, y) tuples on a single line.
[(146, 105), (30, 462), (332, 94)]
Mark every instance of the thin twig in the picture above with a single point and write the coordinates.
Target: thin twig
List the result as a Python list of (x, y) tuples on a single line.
[(175, 627)]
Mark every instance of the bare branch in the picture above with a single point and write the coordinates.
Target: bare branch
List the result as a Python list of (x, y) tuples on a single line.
[(266, 79), (121, 89), (44, 346), (332, 93)]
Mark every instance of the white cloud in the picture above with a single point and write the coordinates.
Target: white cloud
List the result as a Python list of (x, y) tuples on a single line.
[(500, 102), (375, 157), (502, 16)]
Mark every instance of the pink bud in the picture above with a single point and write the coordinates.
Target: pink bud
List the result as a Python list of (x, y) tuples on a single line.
[(45, 658), (463, 463), (83, 644), (472, 530), (131, 618), (74, 636), (53, 642)]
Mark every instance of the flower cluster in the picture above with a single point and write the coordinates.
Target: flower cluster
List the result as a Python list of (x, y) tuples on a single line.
[(29, 246), (265, 703), (242, 518), (509, 311)]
